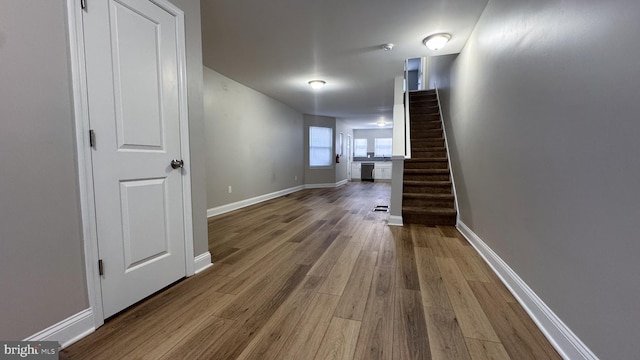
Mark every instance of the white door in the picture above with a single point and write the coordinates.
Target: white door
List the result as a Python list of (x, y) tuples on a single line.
[(132, 82)]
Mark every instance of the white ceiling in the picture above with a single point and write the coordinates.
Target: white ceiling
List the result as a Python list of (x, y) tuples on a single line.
[(277, 46)]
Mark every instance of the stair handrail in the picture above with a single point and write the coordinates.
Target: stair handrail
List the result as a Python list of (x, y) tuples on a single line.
[(446, 146)]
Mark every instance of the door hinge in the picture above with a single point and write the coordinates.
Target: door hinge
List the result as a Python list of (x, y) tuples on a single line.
[(100, 267), (92, 138), (83, 4)]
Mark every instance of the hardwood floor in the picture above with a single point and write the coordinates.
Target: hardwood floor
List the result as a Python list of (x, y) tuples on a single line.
[(318, 275)]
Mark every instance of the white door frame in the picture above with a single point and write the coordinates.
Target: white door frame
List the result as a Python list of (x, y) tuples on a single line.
[(83, 149)]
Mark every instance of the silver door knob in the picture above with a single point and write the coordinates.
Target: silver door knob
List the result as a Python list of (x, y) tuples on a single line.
[(177, 164)]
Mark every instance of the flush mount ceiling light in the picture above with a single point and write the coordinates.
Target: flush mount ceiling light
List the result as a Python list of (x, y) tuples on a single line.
[(381, 123), (387, 47), (317, 84), (436, 41)]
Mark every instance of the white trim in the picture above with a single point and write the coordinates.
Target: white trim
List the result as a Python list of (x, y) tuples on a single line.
[(559, 334), (67, 331), (395, 220), (320, 186), (446, 146), (85, 173), (219, 210), (326, 185), (202, 262), (223, 209)]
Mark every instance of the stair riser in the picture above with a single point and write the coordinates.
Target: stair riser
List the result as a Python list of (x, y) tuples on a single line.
[(427, 143), (441, 203), (427, 125), (426, 189), (424, 109), (445, 220), (426, 165), (423, 97), (428, 97), (426, 134), (428, 92), (426, 177), (424, 114), (420, 103), (426, 154)]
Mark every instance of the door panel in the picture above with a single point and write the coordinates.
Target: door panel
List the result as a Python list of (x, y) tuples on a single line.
[(137, 78), (144, 206), (132, 82)]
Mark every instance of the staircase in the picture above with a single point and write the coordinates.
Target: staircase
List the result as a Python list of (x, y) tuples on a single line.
[(427, 196)]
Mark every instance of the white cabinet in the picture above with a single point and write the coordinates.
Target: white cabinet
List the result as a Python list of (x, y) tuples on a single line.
[(355, 171), (382, 171)]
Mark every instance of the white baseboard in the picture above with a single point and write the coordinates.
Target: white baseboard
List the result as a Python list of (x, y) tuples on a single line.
[(252, 201), (395, 220), (67, 331), (561, 337), (77, 326), (326, 185), (202, 262)]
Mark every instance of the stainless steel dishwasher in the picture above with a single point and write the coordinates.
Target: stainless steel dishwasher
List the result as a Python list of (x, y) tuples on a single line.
[(366, 171)]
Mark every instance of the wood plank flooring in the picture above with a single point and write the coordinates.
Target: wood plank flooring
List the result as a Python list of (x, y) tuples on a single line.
[(318, 275)]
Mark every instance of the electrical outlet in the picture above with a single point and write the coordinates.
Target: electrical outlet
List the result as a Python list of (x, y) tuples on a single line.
[(295, 177), (230, 190)]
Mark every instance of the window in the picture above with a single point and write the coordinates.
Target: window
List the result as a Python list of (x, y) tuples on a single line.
[(360, 148), (382, 147), (320, 139)]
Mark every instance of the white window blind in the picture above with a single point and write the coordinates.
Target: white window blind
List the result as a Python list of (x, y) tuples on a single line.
[(320, 139), (360, 148), (382, 147)]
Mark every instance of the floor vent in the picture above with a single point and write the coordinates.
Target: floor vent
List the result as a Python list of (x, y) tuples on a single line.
[(383, 208)]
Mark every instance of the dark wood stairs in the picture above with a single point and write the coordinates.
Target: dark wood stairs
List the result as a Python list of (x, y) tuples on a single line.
[(427, 196)]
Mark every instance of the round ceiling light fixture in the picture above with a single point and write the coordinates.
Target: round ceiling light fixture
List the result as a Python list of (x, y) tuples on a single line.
[(317, 84), (436, 41)]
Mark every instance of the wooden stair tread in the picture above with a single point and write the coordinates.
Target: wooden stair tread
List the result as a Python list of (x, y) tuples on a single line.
[(427, 196), (428, 210), (426, 183), (426, 171), (423, 160)]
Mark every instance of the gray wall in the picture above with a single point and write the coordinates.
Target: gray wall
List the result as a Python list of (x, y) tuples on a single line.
[(41, 248), (324, 175), (439, 69), (371, 135), (41, 251), (254, 143), (542, 111)]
